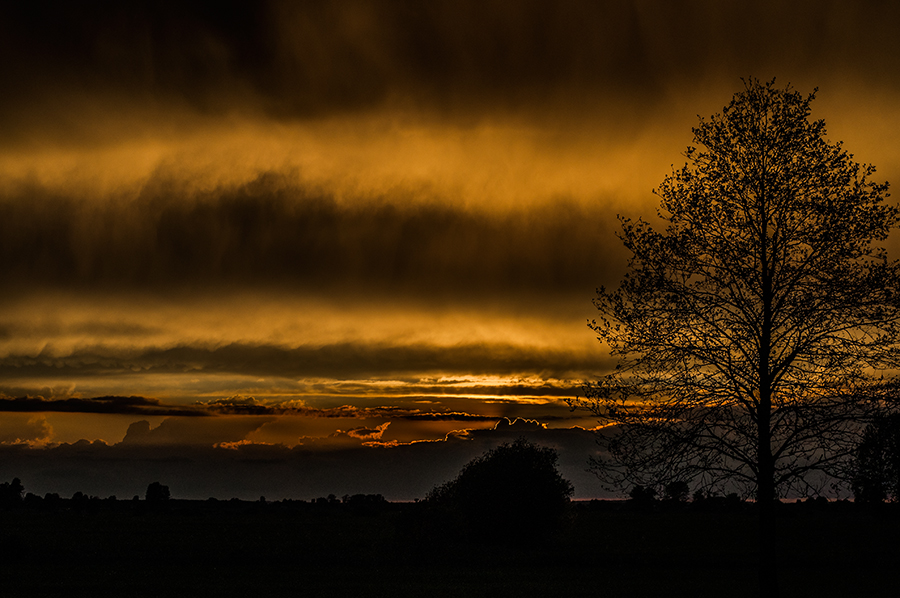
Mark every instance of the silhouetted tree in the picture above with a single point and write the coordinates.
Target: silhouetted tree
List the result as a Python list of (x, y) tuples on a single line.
[(511, 493), (642, 497), (157, 493), (876, 471), (52, 501), (11, 493), (367, 504), (747, 329), (79, 501), (677, 491)]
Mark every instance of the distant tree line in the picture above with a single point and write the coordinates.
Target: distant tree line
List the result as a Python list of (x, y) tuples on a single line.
[(157, 495), (874, 472), (515, 490)]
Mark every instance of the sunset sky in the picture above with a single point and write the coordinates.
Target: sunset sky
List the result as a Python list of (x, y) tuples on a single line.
[(270, 248)]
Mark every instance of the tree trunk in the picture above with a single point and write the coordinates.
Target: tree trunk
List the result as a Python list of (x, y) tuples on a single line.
[(765, 485), (765, 501), (768, 558)]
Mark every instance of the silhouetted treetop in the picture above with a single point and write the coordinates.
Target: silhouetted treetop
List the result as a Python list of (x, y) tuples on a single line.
[(11, 493), (511, 492), (157, 493)]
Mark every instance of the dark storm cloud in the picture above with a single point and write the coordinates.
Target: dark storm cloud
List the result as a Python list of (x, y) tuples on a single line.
[(242, 406), (251, 406), (339, 360), (19, 329), (309, 57), (272, 232), (119, 405)]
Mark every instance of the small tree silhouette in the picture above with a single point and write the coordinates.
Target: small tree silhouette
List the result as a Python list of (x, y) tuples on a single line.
[(11, 493), (876, 471), (157, 493), (639, 495), (677, 491), (511, 493)]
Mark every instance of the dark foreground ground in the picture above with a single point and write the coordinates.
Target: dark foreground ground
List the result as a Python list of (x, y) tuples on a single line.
[(298, 549)]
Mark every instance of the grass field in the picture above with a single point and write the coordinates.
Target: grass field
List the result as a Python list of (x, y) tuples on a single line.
[(248, 549)]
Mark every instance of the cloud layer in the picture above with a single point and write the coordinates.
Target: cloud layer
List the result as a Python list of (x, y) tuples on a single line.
[(305, 59), (273, 232)]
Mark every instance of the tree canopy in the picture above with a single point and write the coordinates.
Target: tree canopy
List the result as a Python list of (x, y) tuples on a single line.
[(157, 493), (751, 328), (511, 493)]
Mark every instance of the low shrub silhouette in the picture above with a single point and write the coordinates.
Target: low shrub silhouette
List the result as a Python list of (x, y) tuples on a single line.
[(364, 504), (157, 493), (639, 496), (676, 492), (510, 494), (11, 494), (876, 473)]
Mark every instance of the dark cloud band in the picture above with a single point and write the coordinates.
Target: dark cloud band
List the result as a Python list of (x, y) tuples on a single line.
[(272, 232), (337, 361), (312, 57), (146, 407), (105, 405)]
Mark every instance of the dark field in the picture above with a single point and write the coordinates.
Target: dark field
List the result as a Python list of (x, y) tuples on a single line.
[(234, 548)]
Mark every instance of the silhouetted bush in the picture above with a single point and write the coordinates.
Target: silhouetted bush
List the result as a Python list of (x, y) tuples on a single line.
[(641, 496), (876, 474), (11, 493), (814, 502), (364, 504), (52, 501), (79, 501), (676, 492), (331, 501), (157, 493), (509, 494)]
